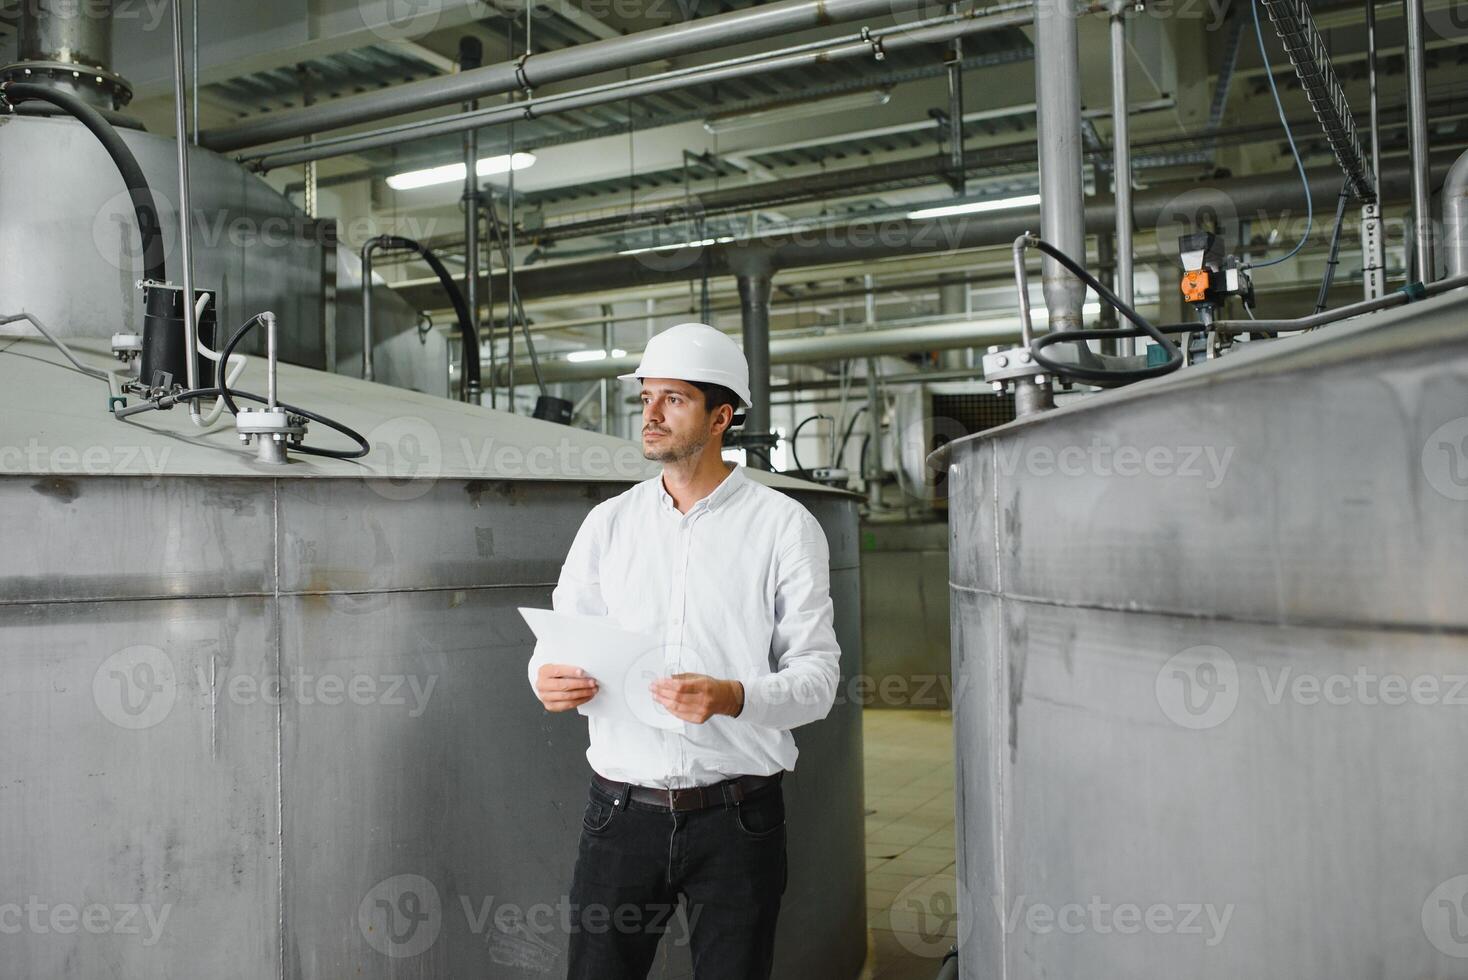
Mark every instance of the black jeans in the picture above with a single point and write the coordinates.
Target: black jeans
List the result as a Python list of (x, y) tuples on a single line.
[(726, 864)]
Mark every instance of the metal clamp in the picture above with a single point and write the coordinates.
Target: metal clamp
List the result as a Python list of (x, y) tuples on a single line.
[(875, 41)]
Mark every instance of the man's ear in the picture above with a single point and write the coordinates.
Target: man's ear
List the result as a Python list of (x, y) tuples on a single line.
[(723, 415)]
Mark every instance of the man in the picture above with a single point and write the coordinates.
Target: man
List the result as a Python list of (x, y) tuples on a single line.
[(733, 578)]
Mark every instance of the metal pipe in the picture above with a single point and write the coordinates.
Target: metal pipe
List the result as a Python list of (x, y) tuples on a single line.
[(534, 70), (1373, 243), (816, 53), (953, 303), (194, 69), (871, 461), (870, 240), (1022, 287), (471, 56), (1417, 141), (267, 320), (820, 347), (368, 247), (955, 113), (1398, 298), (180, 135), (1121, 170), (1058, 124), (1455, 216), (754, 309)]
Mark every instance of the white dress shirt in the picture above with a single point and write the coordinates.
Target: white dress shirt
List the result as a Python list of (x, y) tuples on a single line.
[(737, 588)]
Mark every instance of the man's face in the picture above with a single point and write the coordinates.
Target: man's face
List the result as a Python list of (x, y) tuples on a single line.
[(675, 423)]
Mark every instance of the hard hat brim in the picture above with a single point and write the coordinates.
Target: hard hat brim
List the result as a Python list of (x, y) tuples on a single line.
[(743, 401)]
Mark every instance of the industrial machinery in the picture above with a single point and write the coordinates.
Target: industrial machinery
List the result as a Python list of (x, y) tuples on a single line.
[(260, 708), (1188, 620)]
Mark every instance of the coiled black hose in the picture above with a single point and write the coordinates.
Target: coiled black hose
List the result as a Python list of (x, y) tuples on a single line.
[(467, 334), (1144, 327), (223, 390), (141, 194)]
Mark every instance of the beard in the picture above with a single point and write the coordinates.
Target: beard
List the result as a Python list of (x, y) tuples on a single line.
[(672, 450)]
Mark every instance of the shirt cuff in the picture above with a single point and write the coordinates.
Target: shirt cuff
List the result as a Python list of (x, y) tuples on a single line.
[(763, 699)]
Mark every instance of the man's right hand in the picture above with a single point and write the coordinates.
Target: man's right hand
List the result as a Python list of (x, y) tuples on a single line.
[(562, 687)]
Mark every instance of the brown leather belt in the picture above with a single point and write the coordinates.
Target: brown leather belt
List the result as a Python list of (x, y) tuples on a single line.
[(726, 793)]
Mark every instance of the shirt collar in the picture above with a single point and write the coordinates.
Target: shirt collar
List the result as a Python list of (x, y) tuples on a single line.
[(721, 493)]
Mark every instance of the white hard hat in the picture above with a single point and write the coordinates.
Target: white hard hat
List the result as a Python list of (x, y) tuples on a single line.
[(695, 352)]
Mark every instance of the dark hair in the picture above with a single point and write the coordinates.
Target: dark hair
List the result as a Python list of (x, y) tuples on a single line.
[(715, 395)]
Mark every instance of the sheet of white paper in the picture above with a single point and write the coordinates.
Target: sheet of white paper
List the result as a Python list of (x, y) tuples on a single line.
[(622, 662)]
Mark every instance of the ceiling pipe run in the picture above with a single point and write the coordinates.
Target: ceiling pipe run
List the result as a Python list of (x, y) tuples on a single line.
[(1276, 195), (813, 349), (531, 71)]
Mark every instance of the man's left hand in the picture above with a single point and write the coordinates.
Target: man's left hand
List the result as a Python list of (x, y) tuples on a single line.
[(698, 697)]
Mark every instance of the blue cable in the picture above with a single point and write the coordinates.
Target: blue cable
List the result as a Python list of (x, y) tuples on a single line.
[(1300, 164)]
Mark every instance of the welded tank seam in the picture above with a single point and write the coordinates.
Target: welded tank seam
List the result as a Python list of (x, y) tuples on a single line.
[(1427, 629), (241, 594), (279, 739)]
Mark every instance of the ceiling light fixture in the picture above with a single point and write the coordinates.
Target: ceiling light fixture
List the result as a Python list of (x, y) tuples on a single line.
[(723, 240), (975, 207), (453, 173)]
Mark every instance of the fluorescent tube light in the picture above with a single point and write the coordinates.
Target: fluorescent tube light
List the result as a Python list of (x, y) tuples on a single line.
[(723, 240), (451, 173), (976, 207)]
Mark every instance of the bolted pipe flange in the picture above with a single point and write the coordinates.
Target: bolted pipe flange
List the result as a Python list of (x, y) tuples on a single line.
[(1015, 368), (273, 430)]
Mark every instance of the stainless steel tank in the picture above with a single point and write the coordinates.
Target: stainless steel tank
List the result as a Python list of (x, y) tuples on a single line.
[(263, 722), (69, 251), (1210, 652)]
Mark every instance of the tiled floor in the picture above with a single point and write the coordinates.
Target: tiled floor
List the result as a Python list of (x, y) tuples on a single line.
[(909, 800)]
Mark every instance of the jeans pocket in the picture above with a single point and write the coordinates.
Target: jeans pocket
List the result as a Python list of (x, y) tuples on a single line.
[(600, 811), (761, 816)]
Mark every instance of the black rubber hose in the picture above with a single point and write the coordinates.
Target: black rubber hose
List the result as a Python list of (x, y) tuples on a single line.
[(141, 194), (221, 366), (795, 452), (364, 447), (846, 436), (468, 335), (1174, 355), (223, 390)]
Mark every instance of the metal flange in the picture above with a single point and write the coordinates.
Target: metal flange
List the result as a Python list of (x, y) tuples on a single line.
[(274, 430)]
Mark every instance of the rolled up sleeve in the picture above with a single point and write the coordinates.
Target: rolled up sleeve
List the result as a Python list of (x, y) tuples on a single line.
[(802, 688)]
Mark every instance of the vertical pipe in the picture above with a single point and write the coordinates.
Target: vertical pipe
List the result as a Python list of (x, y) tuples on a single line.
[(1417, 141), (180, 135), (606, 383), (1373, 246), (955, 114), (471, 241), (367, 248), (1058, 121), (754, 307), (271, 358), (194, 66), (952, 304), (511, 311), (1455, 216), (471, 56), (871, 460), (1122, 173)]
